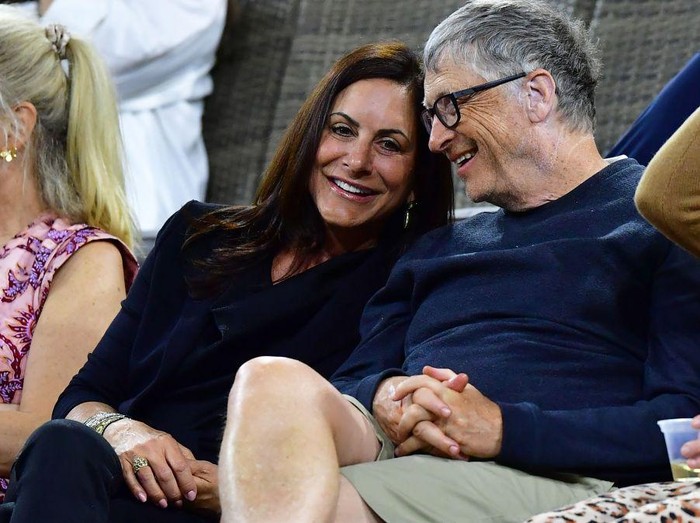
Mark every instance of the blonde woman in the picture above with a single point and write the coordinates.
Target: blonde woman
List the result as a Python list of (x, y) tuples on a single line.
[(65, 230)]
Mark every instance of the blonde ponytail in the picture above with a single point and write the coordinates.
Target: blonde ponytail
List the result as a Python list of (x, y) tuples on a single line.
[(75, 148), (93, 145)]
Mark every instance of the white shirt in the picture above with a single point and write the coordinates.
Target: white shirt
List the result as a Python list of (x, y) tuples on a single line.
[(160, 53)]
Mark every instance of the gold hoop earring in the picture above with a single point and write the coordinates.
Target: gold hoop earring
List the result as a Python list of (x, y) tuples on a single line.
[(9, 154)]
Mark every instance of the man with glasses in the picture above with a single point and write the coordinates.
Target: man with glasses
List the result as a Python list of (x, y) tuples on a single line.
[(516, 361)]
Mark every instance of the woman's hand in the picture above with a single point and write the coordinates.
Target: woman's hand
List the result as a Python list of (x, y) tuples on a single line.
[(691, 449), (167, 478)]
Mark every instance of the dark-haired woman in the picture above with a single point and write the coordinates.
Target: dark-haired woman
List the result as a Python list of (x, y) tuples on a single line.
[(351, 184)]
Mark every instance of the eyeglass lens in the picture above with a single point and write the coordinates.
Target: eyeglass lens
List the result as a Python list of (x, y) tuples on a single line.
[(445, 109)]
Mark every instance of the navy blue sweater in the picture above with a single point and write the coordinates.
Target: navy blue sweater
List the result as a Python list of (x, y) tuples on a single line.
[(577, 317)]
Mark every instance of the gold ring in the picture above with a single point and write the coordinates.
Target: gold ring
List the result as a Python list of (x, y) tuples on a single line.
[(138, 463)]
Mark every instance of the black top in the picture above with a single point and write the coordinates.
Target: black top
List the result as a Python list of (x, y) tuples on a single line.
[(169, 359)]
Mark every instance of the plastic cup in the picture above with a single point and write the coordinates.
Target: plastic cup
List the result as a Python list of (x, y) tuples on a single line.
[(677, 432)]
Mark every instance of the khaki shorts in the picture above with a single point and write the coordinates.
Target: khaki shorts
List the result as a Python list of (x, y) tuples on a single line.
[(386, 450), (421, 489)]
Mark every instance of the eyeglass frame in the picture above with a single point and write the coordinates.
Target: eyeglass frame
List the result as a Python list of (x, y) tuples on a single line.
[(429, 113)]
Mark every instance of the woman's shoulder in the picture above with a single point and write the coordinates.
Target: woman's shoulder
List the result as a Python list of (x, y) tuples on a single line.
[(196, 209), (188, 215), (51, 237), (68, 238), (191, 233)]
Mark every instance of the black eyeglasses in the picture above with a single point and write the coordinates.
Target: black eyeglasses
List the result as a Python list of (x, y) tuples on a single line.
[(446, 108)]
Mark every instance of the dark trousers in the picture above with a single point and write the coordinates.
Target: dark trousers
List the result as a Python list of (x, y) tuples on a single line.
[(69, 473)]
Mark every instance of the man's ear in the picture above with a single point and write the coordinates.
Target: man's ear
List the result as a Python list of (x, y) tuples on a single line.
[(541, 95), (25, 112)]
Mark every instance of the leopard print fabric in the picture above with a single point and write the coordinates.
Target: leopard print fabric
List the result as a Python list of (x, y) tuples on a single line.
[(677, 502)]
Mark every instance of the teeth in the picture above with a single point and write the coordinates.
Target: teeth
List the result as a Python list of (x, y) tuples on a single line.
[(462, 159), (350, 188)]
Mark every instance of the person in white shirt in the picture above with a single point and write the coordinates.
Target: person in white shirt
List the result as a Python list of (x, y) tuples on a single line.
[(160, 53)]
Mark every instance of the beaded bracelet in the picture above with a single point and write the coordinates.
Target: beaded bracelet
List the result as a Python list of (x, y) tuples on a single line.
[(100, 421)]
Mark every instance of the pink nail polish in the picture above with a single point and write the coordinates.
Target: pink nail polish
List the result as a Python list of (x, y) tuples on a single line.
[(142, 497), (191, 495), (163, 503)]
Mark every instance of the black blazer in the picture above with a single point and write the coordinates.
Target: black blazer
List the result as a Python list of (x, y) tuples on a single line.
[(169, 359)]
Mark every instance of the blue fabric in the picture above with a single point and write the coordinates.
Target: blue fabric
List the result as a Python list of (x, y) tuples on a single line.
[(674, 104), (578, 318)]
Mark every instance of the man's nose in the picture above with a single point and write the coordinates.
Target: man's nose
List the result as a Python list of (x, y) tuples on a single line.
[(440, 136)]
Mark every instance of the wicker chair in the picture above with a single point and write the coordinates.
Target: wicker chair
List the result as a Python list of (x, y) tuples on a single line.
[(644, 43), (238, 114)]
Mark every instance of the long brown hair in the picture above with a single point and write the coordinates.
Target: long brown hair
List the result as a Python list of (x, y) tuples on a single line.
[(284, 215)]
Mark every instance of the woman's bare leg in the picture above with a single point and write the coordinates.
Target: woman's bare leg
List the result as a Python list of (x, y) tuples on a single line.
[(288, 431)]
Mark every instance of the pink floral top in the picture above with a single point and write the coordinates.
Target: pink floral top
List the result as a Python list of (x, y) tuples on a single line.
[(28, 264)]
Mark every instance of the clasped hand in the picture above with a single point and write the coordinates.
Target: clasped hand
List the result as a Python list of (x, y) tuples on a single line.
[(173, 475), (440, 413)]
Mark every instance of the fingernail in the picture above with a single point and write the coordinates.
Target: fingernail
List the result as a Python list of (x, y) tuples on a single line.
[(445, 411), (178, 503), (163, 503), (142, 497), (191, 495), (454, 450)]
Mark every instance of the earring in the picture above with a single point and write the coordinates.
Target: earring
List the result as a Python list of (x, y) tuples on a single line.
[(9, 154), (410, 207)]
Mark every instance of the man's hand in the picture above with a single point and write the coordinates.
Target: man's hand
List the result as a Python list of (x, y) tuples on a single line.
[(206, 477), (474, 423), (419, 420), (167, 478), (389, 411), (386, 410)]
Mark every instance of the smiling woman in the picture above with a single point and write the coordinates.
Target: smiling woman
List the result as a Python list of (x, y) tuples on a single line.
[(287, 276), (364, 162)]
